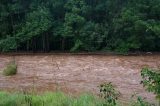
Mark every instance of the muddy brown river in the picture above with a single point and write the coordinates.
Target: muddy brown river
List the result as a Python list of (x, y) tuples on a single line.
[(78, 73)]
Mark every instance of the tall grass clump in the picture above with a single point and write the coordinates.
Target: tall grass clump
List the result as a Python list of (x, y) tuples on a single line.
[(11, 69)]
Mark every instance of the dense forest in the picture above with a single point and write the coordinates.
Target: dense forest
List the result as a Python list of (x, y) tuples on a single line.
[(79, 25)]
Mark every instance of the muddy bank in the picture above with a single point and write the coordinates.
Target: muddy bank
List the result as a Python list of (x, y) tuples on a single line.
[(78, 73)]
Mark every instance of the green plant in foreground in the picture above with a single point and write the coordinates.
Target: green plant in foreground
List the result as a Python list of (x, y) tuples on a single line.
[(139, 101), (108, 92), (151, 80), (48, 99), (60, 99), (10, 70)]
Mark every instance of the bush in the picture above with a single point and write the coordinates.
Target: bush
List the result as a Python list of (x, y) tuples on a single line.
[(10, 70), (109, 93), (151, 81)]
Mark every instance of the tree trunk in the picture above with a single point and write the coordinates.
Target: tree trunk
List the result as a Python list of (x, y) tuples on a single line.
[(47, 42), (43, 42), (63, 44), (13, 30), (27, 45)]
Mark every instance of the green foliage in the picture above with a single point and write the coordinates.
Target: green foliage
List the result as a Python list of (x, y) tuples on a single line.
[(47, 99), (108, 92), (84, 25), (59, 99), (11, 69), (37, 22), (151, 80), (109, 97)]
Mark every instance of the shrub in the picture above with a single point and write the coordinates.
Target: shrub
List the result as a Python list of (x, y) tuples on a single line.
[(151, 80), (108, 92), (10, 70)]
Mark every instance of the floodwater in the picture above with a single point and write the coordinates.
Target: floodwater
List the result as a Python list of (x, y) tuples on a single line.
[(78, 73)]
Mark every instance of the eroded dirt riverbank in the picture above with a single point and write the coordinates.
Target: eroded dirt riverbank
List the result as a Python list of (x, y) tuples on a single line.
[(78, 73)]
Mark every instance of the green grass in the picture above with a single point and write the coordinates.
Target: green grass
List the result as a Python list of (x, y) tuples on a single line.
[(48, 99), (11, 69), (59, 99)]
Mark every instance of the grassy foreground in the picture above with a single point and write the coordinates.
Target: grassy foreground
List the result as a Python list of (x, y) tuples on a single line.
[(59, 99), (48, 99)]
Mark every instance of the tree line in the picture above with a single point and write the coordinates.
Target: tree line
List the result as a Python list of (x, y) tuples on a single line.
[(80, 25)]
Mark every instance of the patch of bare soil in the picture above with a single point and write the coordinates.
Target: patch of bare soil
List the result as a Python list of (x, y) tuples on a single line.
[(78, 73)]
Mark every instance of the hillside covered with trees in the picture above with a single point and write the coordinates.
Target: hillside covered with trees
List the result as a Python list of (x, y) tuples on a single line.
[(79, 25)]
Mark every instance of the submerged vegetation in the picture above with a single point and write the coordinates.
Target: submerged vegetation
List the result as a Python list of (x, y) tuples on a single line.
[(80, 25), (11, 69)]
